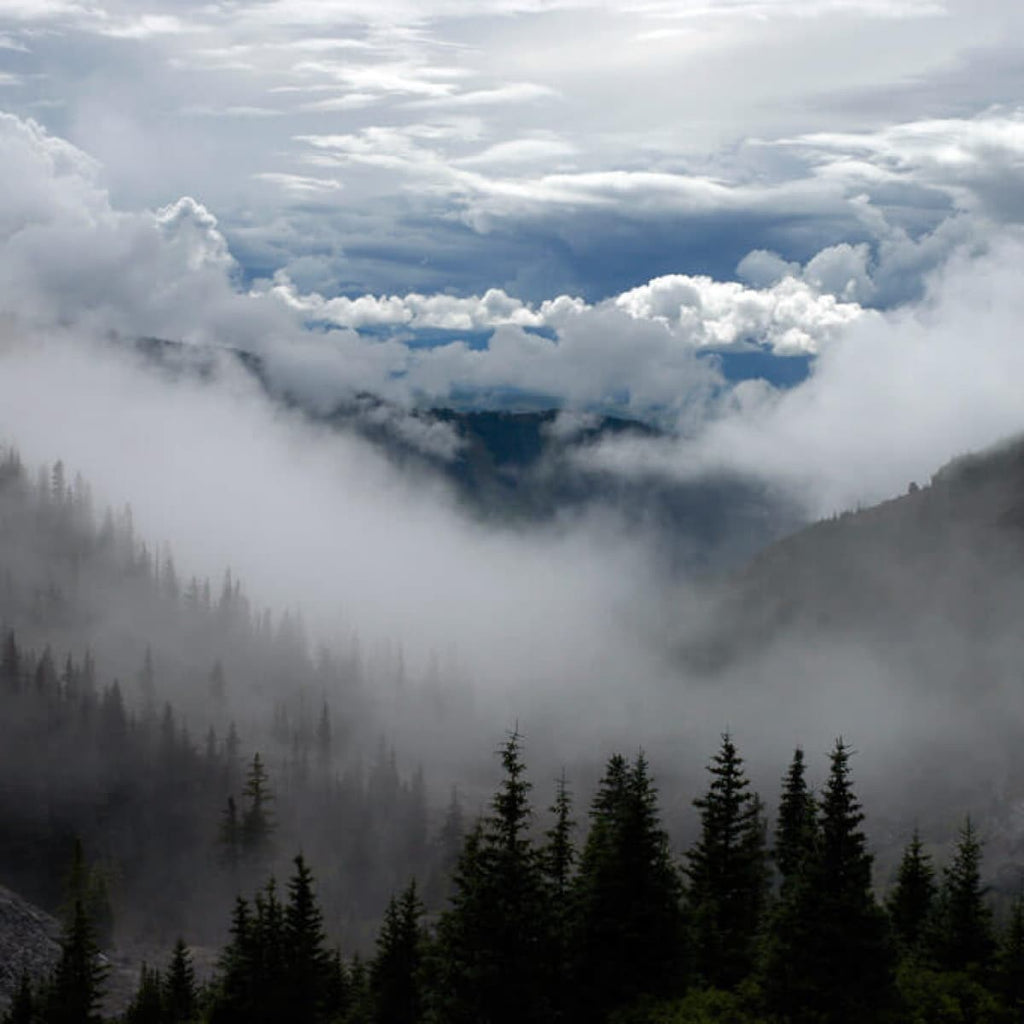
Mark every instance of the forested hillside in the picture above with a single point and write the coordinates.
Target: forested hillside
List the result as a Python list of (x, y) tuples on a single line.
[(178, 764)]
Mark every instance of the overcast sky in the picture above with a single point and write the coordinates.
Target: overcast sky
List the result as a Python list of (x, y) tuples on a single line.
[(568, 198)]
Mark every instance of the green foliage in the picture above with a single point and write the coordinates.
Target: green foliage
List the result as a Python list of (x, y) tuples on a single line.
[(76, 988), (728, 875), (180, 994), (912, 901), (796, 829), (493, 957), (395, 978), (928, 996), (828, 957), (963, 939), (306, 965), (628, 938), (257, 826), (147, 1005), (698, 1006)]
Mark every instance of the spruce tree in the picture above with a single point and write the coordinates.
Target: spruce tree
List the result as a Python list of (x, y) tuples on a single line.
[(257, 822), (627, 937), (181, 996), (78, 980), (307, 963), (494, 941), (828, 957), (728, 874), (395, 972), (147, 1005), (963, 938), (911, 902), (796, 826)]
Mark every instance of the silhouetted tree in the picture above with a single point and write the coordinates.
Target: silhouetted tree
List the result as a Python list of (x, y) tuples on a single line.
[(728, 874)]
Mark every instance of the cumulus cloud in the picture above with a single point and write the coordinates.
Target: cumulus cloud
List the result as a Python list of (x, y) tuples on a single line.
[(890, 382), (897, 396)]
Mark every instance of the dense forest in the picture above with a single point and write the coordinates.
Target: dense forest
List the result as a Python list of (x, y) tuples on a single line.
[(753, 924), (181, 768)]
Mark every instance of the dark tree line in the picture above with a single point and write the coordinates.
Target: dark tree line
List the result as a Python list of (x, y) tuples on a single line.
[(752, 925)]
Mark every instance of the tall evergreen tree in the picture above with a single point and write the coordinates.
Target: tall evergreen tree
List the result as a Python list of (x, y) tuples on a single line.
[(395, 974), (257, 821), (494, 941), (628, 933), (180, 993), (728, 874), (796, 826), (307, 966), (828, 958), (911, 902), (964, 938), (78, 981), (147, 1005)]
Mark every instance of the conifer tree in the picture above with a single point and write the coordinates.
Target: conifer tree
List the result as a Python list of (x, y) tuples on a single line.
[(180, 994), (728, 874), (911, 902), (796, 826), (828, 957), (963, 938), (257, 822), (307, 963), (494, 941), (239, 964), (147, 1005), (395, 971), (78, 980), (559, 854), (628, 934)]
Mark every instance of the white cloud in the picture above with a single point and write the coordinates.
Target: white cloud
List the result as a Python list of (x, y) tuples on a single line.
[(896, 396)]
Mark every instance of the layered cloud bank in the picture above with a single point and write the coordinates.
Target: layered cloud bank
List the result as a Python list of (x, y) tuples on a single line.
[(891, 395)]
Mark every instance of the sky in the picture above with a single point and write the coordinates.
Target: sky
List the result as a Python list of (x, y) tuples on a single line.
[(787, 232), (733, 219)]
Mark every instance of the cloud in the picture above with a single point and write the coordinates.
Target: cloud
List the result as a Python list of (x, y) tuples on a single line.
[(892, 399)]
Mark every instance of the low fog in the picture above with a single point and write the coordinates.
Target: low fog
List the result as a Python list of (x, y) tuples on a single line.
[(575, 630), (578, 628)]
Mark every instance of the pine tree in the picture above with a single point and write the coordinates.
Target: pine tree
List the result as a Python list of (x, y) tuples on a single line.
[(395, 971), (257, 822), (963, 938), (147, 1005), (78, 980), (230, 837), (180, 994), (911, 902), (796, 827), (728, 874), (238, 965), (494, 941), (828, 958), (307, 963), (628, 935), (559, 854)]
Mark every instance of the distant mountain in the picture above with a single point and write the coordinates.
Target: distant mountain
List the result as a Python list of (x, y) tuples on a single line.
[(944, 560), (518, 467)]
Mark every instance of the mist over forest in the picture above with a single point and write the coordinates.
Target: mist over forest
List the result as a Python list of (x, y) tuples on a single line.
[(511, 516)]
